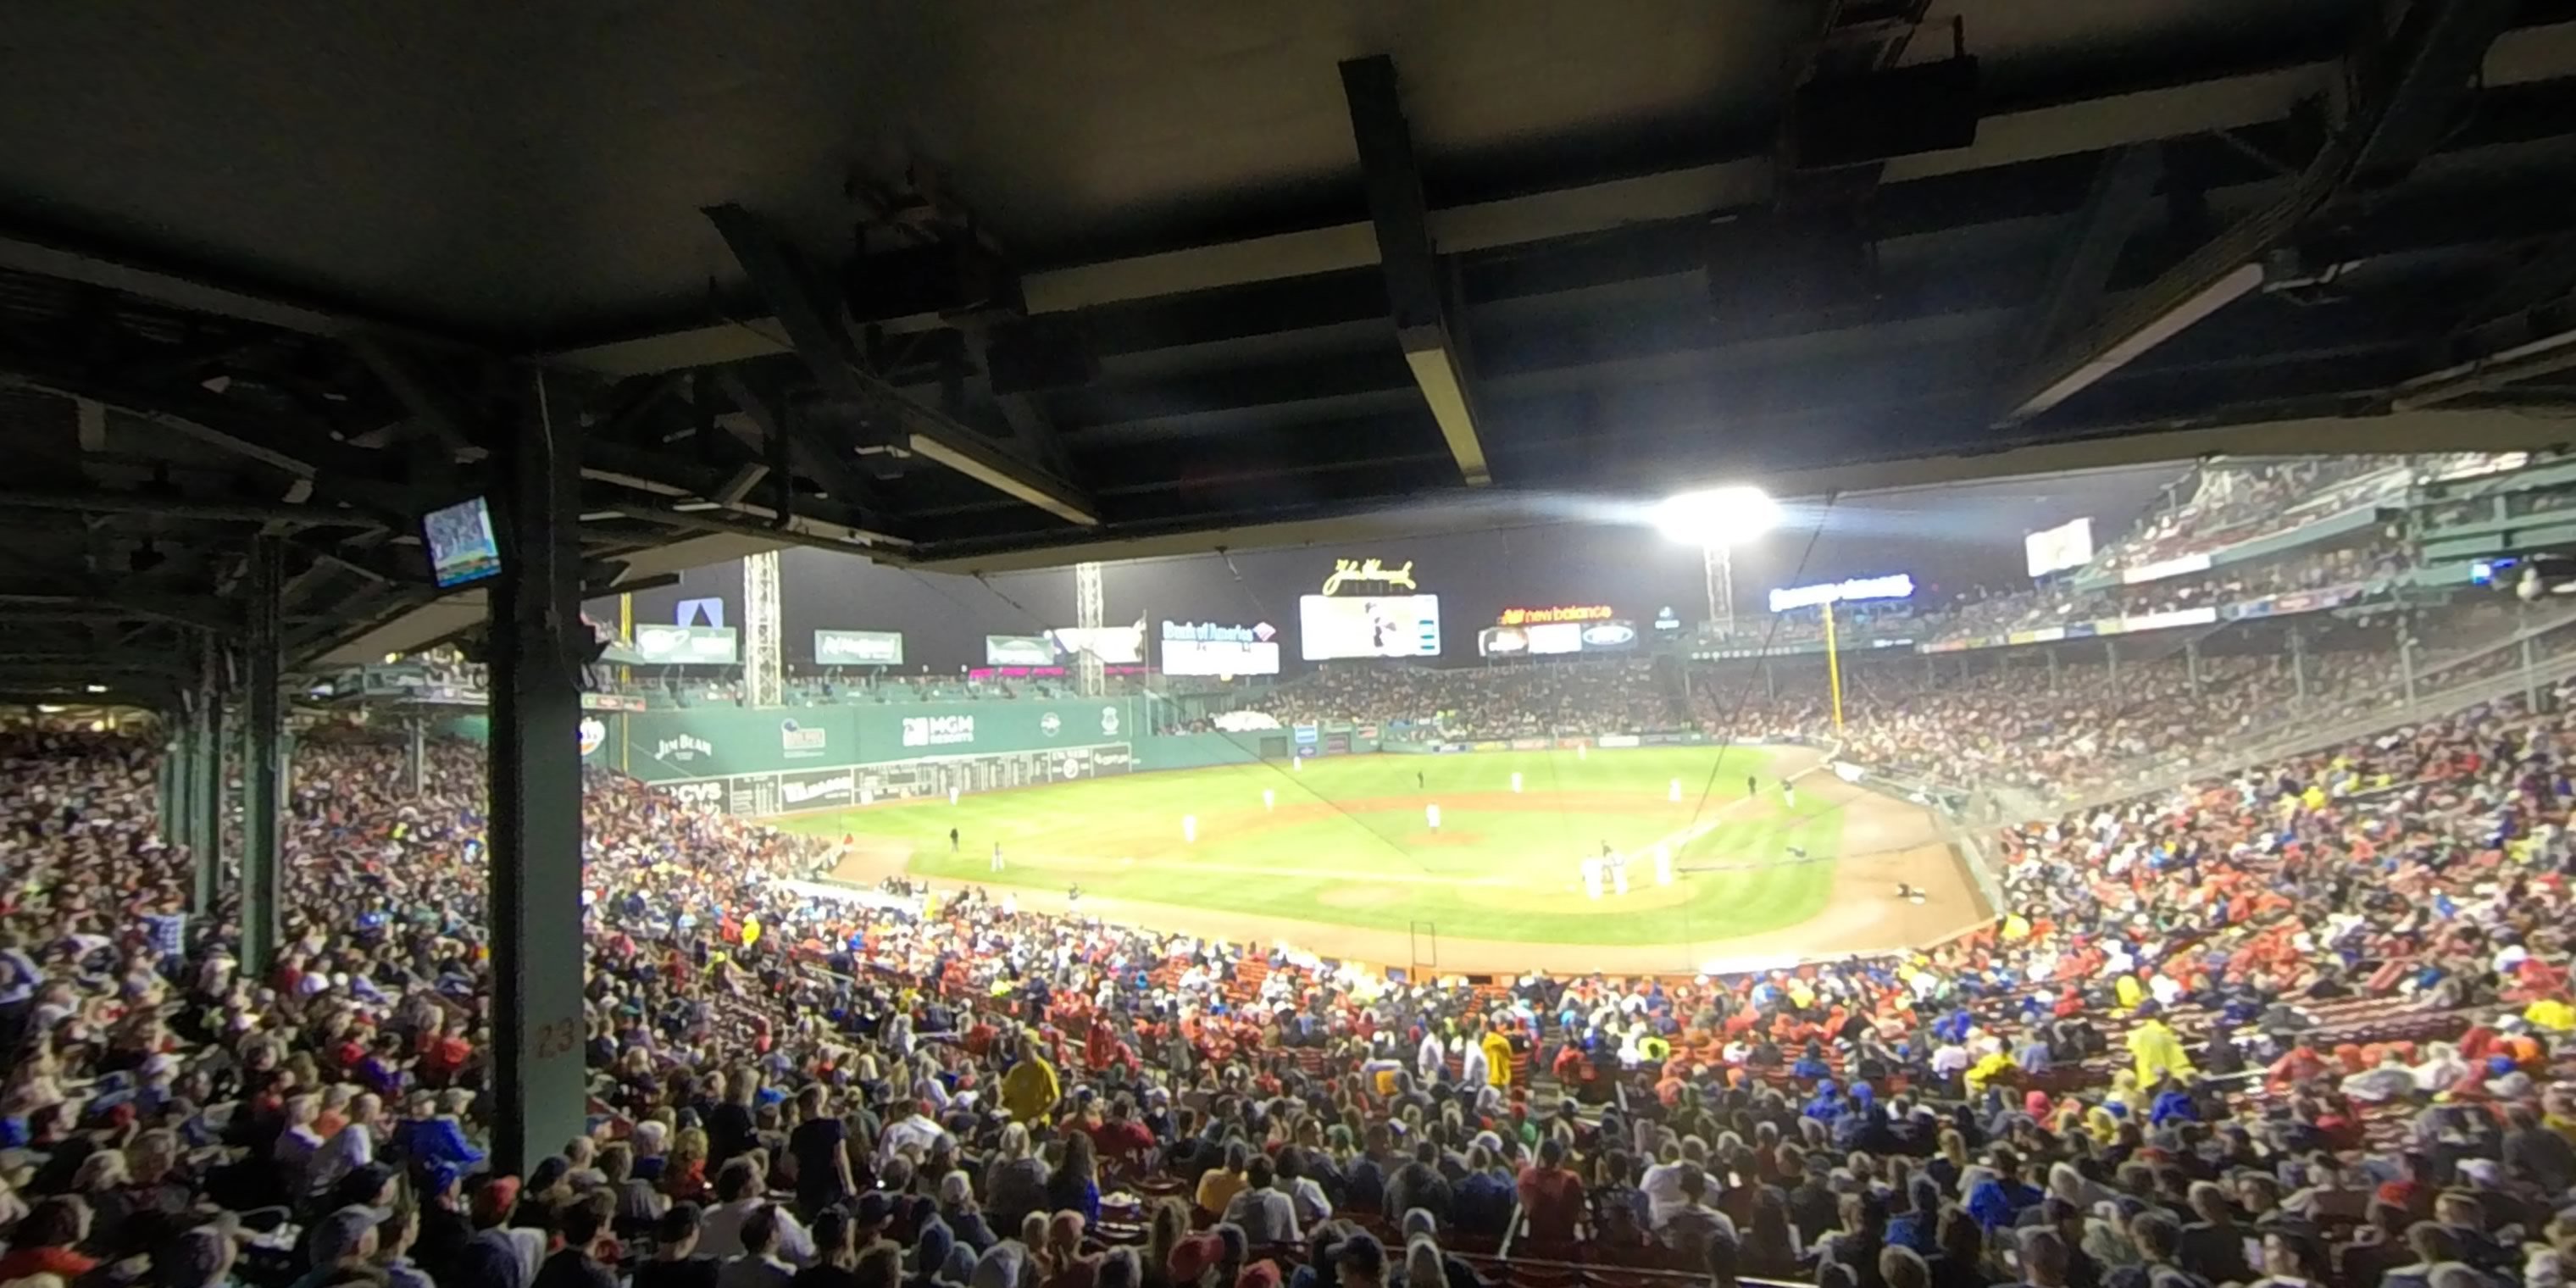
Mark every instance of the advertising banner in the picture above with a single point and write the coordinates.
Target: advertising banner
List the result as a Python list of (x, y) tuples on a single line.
[(2170, 618), (818, 788), (858, 648), (1547, 639), (705, 793), (2183, 566), (1349, 626), (1892, 586), (686, 645), (1610, 637), (1529, 744), (1559, 613), (1206, 648), (1502, 641), (1615, 740), (1018, 650)]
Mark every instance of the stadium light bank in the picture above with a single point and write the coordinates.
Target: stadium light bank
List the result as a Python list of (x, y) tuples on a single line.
[(1717, 520)]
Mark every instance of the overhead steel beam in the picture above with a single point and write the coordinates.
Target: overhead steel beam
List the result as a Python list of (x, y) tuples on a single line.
[(1416, 290), (204, 614), (814, 323), (2449, 40), (684, 484), (2409, 81), (2544, 356), (2113, 209), (748, 520), (432, 408), (100, 502), (813, 460), (2519, 57), (45, 256)]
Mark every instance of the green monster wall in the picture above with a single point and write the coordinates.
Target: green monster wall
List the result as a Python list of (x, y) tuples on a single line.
[(712, 742)]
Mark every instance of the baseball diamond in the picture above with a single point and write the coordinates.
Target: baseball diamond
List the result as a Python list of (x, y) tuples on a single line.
[(1342, 859)]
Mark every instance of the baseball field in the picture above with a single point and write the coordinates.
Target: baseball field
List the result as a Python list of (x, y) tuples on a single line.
[(1347, 842)]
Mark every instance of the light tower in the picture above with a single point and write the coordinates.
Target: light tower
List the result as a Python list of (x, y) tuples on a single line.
[(1717, 568), (762, 685), (1087, 611), (1717, 521)]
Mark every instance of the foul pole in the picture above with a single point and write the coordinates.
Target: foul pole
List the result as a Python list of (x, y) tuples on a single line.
[(1833, 665)]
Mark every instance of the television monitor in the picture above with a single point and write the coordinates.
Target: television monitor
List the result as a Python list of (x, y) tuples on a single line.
[(460, 541)]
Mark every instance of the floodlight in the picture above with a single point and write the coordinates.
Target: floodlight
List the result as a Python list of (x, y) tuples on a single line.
[(1718, 517)]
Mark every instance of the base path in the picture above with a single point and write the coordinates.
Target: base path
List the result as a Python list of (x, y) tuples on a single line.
[(1885, 841)]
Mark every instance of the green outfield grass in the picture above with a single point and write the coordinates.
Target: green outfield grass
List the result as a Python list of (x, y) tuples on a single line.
[(1347, 842)]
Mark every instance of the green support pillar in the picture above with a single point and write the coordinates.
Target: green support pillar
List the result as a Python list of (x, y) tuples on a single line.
[(263, 724), (2191, 664), (169, 800), (2299, 663), (206, 800), (2406, 656), (536, 826)]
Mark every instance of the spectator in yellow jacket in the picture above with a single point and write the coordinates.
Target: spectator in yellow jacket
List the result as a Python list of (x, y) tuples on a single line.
[(1498, 1059), (1030, 1089), (2158, 1052)]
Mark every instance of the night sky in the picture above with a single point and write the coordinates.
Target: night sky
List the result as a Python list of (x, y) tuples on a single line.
[(1948, 538)]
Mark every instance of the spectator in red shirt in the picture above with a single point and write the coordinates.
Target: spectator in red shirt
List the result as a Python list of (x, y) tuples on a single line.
[(45, 1240), (1551, 1195), (1120, 1135)]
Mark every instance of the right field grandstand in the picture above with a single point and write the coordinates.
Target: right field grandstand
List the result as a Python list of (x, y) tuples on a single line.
[(1727, 854)]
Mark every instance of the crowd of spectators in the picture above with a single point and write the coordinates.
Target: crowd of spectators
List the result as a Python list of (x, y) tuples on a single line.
[(1517, 699)]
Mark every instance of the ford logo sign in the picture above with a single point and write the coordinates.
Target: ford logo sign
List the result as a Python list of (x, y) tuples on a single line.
[(1609, 635)]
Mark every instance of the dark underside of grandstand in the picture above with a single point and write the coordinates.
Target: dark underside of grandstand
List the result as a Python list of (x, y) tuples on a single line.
[(975, 290)]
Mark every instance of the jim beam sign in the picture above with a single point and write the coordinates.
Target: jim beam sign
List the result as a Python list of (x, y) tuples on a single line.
[(1347, 571)]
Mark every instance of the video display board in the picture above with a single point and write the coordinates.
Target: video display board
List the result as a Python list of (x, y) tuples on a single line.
[(1347, 626), (2068, 545)]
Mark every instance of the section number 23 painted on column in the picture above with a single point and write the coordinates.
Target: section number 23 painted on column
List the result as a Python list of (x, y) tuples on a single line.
[(561, 1038)]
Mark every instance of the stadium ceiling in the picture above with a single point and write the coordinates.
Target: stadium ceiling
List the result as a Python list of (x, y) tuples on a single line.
[(979, 287)]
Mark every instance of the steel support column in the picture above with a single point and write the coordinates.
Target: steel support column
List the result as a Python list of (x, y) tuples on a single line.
[(419, 757), (169, 790), (2299, 663), (2191, 664), (206, 795), (2530, 663), (2111, 660), (2406, 656), (2052, 670), (263, 789), (536, 825)]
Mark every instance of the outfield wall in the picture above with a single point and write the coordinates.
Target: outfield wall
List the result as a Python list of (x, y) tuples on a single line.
[(762, 761)]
